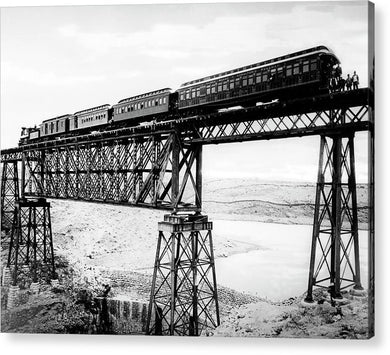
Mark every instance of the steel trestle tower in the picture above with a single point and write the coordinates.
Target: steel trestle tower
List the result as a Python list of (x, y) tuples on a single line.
[(335, 240), (31, 254), (184, 288)]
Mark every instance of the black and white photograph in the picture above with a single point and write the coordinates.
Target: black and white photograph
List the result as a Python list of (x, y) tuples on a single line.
[(189, 169)]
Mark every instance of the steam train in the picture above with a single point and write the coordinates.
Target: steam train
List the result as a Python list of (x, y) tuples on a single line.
[(306, 72)]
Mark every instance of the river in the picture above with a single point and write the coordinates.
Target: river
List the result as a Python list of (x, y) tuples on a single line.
[(279, 269)]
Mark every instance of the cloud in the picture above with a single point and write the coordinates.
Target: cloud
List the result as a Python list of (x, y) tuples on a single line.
[(13, 72), (257, 35)]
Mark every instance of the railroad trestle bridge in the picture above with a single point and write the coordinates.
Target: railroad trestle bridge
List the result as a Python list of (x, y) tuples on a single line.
[(159, 165)]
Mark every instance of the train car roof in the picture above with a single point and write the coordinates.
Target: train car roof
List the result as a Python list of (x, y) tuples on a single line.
[(263, 63), (148, 94), (56, 118), (92, 109)]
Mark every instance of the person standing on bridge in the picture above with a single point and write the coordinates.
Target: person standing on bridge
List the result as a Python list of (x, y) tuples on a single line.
[(341, 86), (348, 83), (338, 72), (355, 80)]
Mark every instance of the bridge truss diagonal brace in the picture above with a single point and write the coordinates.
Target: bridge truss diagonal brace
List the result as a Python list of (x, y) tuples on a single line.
[(33, 177), (183, 297), (335, 261), (9, 192)]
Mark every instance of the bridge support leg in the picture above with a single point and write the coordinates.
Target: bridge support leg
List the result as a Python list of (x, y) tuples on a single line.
[(184, 289), (31, 254), (9, 192), (334, 261)]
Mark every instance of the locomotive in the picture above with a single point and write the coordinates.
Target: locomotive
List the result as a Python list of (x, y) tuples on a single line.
[(306, 72)]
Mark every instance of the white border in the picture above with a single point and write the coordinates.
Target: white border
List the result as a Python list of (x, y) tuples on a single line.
[(110, 345)]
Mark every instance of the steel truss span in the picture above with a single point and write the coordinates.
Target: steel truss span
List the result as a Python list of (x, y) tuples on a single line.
[(159, 165)]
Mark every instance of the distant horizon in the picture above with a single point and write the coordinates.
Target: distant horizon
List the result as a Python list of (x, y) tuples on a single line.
[(267, 182)]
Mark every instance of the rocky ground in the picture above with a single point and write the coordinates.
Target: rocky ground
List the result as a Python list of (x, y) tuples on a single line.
[(292, 319), (90, 235)]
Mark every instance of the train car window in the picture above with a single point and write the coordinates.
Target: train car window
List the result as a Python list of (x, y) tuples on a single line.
[(289, 70), (187, 94), (208, 90), (142, 105), (250, 80), (264, 76), (213, 89), (225, 85), (296, 69), (231, 85), (305, 66), (258, 77), (132, 108), (197, 92), (219, 87), (57, 122), (156, 103), (165, 100), (244, 80), (280, 72), (313, 65)]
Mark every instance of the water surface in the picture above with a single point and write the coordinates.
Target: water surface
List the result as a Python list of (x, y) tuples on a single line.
[(278, 270)]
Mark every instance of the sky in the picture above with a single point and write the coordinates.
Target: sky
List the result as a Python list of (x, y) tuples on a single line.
[(59, 60)]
